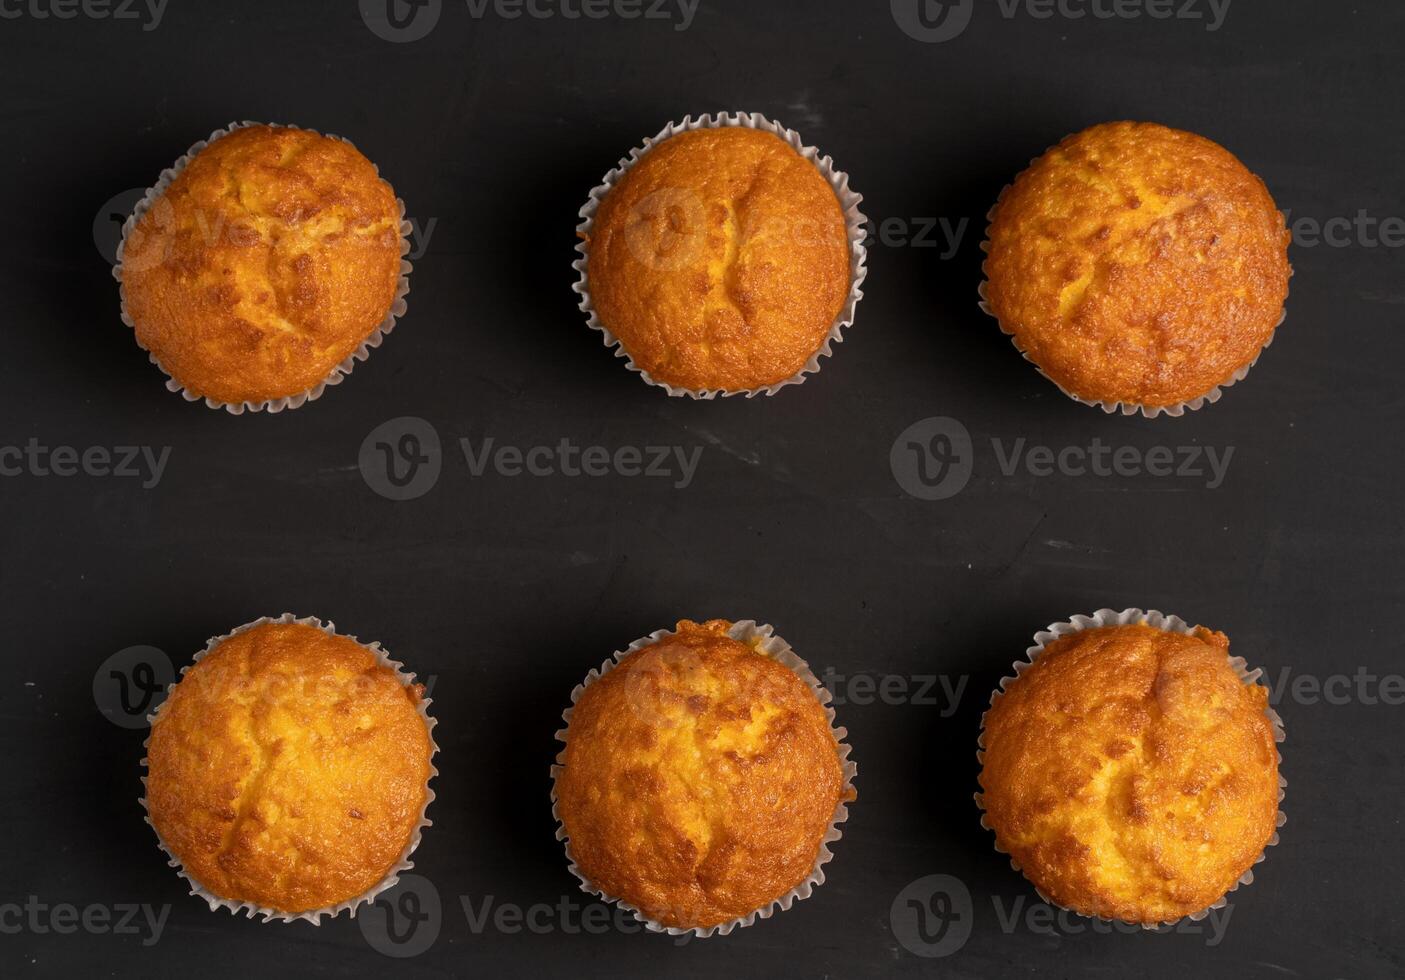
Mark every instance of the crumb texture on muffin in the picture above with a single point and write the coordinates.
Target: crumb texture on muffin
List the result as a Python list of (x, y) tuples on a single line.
[(264, 265), (699, 779), (720, 260), (1139, 264), (288, 769), (1131, 773)]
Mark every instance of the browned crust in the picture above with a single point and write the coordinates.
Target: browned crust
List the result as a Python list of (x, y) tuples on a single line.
[(1139, 264), (1131, 773), (288, 769), (264, 265), (699, 779), (720, 260)]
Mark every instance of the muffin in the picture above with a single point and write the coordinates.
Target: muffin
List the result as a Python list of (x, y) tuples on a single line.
[(288, 771), (268, 262), (1131, 773), (720, 261), (701, 779), (1139, 266)]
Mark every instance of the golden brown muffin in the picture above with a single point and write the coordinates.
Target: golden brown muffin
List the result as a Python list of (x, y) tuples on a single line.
[(720, 260), (1138, 264), (288, 769), (699, 779), (264, 265), (1131, 773)]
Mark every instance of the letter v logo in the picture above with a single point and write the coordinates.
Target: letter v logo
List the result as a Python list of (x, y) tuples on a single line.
[(933, 21)]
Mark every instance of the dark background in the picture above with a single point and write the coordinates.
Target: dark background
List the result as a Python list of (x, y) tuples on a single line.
[(508, 590)]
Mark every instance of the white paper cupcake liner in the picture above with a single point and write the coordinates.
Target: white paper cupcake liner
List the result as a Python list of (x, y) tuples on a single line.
[(855, 229), (1118, 407), (764, 640), (401, 865), (1168, 624), (342, 370)]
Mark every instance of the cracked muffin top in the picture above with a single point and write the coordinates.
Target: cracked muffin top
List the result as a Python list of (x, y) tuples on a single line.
[(288, 768), (1138, 264), (264, 265), (699, 779), (720, 260), (1131, 773)]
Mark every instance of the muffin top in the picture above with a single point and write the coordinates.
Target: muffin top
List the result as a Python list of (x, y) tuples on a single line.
[(288, 769), (1139, 264), (699, 779), (720, 260), (1131, 773), (264, 265)]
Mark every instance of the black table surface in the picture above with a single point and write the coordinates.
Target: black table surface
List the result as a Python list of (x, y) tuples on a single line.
[(1278, 521)]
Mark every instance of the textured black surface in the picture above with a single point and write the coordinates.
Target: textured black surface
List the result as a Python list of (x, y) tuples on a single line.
[(508, 590)]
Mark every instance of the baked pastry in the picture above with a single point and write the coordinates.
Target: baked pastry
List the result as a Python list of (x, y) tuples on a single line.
[(271, 257), (720, 260), (1137, 264), (1131, 773), (288, 769), (699, 779)]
